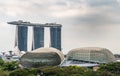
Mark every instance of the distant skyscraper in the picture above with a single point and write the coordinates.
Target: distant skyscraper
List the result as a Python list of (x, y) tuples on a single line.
[(55, 37), (38, 37), (22, 37)]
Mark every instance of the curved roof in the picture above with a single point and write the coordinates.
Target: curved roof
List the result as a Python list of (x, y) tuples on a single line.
[(42, 57), (89, 49), (46, 50), (93, 54)]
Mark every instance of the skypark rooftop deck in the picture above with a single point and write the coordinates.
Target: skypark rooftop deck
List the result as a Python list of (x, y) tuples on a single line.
[(21, 23)]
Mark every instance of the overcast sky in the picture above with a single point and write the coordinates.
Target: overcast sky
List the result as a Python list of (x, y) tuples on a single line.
[(86, 23)]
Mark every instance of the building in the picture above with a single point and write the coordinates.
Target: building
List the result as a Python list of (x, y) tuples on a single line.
[(88, 57), (42, 57), (55, 36), (117, 56), (22, 37), (38, 35)]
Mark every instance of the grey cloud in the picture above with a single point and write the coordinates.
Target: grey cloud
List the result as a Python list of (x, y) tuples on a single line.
[(42, 9), (36, 7), (99, 15), (61, 3), (94, 25), (98, 3), (95, 19)]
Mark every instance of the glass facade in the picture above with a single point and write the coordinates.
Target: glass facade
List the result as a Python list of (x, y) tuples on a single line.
[(22, 38), (97, 55), (55, 36), (42, 57), (38, 37), (88, 57)]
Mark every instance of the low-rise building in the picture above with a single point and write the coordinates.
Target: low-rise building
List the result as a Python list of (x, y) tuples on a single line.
[(88, 57), (42, 57)]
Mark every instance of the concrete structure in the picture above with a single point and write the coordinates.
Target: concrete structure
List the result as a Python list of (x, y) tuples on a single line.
[(88, 57), (17, 52), (38, 35), (42, 57)]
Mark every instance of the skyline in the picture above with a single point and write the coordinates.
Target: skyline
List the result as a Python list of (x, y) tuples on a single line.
[(21, 36), (85, 23)]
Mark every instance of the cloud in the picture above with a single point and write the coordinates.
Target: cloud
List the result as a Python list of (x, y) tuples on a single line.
[(53, 8), (102, 3), (86, 22)]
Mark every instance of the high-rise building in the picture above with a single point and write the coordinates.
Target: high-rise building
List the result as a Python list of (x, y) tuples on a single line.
[(22, 37), (38, 37), (55, 37)]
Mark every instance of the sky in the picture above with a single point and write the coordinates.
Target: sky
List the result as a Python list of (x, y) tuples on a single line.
[(85, 23)]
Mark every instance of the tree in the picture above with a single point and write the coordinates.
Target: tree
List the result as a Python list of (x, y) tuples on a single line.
[(110, 68), (1, 62), (10, 66)]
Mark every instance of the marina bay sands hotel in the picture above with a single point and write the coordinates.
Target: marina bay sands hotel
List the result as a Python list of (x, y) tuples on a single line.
[(21, 37)]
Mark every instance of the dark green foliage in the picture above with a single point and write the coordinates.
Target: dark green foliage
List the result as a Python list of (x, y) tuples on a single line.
[(90, 73), (113, 68), (25, 72), (4, 73), (63, 71), (110, 69), (67, 71), (54, 71), (104, 73), (1, 62), (20, 72), (10, 66)]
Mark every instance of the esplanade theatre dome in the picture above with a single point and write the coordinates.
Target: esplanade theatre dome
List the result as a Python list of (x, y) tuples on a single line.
[(42, 57), (91, 54)]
